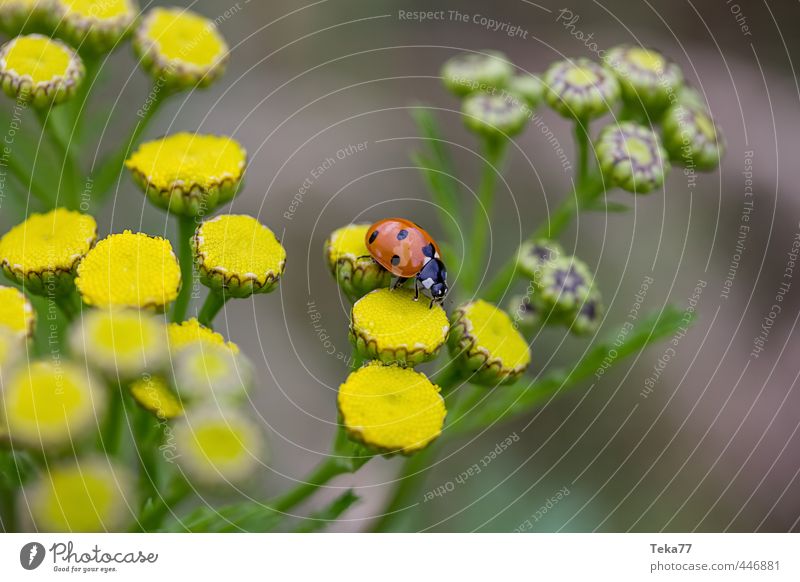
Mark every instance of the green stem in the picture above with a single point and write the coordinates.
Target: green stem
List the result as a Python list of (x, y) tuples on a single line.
[(109, 171), (407, 485), (215, 300), (186, 227), (482, 213), (153, 516), (111, 431), (69, 176), (331, 467), (26, 179)]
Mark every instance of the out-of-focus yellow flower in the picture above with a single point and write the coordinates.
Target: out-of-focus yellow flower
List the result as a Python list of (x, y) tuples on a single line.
[(189, 332), (42, 253), (388, 325), (391, 408), (217, 446), (207, 371), (38, 69), (129, 270), (16, 313), (153, 393), (11, 355), (238, 255), (95, 25), (180, 47), (19, 15), (83, 495), (121, 342), (350, 262), (51, 404), (486, 342), (189, 174)]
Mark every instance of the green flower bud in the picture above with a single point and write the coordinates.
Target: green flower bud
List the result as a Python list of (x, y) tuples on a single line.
[(589, 315), (470, 72), (647, 78), (631, 157), (17, 16), (527, 87), (691, 137), (350, 262), (495, 115), (581, 89), (564, 286), (534, 256), (525, 312)]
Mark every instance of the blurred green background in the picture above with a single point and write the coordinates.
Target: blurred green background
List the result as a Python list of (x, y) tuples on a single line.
[(714, 446)]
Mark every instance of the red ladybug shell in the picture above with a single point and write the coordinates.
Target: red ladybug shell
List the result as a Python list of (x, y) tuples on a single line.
[(399, 246)]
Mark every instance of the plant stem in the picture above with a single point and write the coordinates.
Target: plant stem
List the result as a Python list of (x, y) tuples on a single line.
[(109, 171), (215, 300), (493, 150), (407, 485), (26, 179), (111, 431), (152, 517), (186, 226), (69, 175), (331, 467)]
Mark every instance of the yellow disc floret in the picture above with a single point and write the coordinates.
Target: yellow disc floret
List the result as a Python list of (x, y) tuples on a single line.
[(390, 408), (181, 47), (95, 25), (218, 446), (491, 349), (51, 403), (189, 173), (349, 261), (391, 326), (16, 312), (129, 270), (122, 343), (91, 495), (40, 69), (239, 255), (153, 393), (190, 332), (42, 253)]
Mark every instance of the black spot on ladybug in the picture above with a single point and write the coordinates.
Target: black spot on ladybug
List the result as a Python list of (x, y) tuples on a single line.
[(402, 234), (428, 250), (395, 260), (373, 236)]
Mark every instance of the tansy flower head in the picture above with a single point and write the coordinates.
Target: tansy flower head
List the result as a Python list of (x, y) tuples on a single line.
[(153, 393), (42, 253), (122, 343), (349, 261), (631, 157), (180, 47), (565, 285), (51, 404), (536, 255), (19, 15), (11, 355), (184, 334), (391, 409), (83, 495), (690, 135), (647, 78), (238, 255), (581, 89), (486, 342), (129, 270), (16, 312), (389, 325), (217, 446), (95, 25), (469, 72), (495, 115), (38, 69), (189, 174), (212, 372), (527, 87)]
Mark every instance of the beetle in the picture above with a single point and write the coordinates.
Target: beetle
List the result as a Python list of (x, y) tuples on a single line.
[(405, 250)]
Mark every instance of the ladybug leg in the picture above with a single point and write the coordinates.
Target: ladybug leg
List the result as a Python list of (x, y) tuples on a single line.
[(399, 282), (416, 289)]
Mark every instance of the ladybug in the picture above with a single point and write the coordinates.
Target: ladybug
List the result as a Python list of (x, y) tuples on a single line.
[(405, 250)]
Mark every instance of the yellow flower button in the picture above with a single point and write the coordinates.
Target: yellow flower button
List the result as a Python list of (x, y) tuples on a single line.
[(187, 333), (95, 25), (16, 312), (350, 262), (154, 394), (391, 408)]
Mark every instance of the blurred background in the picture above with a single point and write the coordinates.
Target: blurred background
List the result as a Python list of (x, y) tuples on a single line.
[(712, 446)]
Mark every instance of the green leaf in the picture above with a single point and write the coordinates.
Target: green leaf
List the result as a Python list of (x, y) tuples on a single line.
[(331, 512), (521, 398), (248, 516), (601, 206)]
